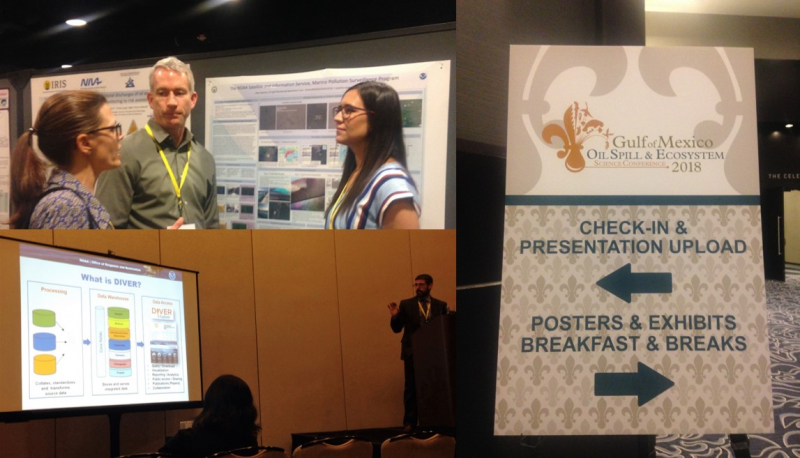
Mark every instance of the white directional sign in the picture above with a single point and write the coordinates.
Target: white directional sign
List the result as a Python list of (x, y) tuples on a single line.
[(633, 297)]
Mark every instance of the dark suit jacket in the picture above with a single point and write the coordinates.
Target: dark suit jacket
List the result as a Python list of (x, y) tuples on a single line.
[(410, 319)]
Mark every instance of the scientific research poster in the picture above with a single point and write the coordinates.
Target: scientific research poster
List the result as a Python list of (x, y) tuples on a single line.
[(273, 138), (97, 332)]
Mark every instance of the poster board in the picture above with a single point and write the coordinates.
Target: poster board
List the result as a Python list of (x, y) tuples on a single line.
[(126, 92), (633, 294), (5, 157), (273, 139)]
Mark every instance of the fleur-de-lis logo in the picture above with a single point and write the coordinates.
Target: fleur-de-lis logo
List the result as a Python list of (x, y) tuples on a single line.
[(700, 411), (536, 413), (503, 414), (764, 411), (733, 411), (579, 125), (568, 413)]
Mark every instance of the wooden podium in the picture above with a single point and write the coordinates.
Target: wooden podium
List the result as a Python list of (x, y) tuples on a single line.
[(434, 347)]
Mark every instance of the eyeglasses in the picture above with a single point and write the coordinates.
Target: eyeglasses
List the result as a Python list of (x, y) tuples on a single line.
[(117, 127), (348, 110)]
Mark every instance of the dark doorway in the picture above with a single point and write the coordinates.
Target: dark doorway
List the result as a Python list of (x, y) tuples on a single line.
[(772, 223)]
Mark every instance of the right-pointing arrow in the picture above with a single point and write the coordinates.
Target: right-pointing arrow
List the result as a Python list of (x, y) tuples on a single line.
[(622, 283), (646, 384)]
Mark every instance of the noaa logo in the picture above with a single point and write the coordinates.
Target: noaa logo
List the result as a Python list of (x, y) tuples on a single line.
[(214, 89), (422, 76), (129, 83), (171, 275)]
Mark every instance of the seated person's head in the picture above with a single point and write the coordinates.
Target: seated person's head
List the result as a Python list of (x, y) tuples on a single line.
[(228, 404)]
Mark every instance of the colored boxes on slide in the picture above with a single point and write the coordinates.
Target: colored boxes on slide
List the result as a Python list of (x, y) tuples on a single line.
[(44, 341), (119, 342), (44, 364), (44, 318)]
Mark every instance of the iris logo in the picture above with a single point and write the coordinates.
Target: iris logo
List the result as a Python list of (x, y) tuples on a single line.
[(129, 83), (422, 76), (60, 84), (89, 82)]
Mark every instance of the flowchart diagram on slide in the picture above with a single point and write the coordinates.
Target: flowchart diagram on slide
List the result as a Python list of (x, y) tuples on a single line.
[(54, 314), (92, 341)]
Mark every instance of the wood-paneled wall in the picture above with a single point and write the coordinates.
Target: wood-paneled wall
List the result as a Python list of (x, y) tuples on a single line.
[(299, 315)]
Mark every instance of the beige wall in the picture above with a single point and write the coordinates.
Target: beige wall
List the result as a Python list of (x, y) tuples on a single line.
[(299, 315), (297, 303), (791, 226), (770, 38)]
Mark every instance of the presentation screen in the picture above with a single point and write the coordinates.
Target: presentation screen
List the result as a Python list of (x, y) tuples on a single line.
[(87, 332)]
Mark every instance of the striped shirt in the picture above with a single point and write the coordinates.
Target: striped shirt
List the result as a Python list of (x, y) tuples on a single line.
[(390, 183)]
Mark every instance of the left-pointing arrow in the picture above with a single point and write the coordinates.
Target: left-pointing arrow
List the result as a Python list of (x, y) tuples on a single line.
[(646, 384), (622, 283)]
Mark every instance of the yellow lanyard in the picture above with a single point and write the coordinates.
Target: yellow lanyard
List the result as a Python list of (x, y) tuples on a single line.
[(425, 312), (175, 184), (336, 205)]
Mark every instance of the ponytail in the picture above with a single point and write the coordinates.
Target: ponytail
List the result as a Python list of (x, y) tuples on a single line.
[(50, 142), (27, 181)]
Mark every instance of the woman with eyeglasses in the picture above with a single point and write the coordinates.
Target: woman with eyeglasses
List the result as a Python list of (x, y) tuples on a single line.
[(376, 190), (55, 165)]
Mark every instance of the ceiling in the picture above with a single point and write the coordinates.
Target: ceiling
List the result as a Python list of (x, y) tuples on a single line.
[(34, 35), (768, 8)]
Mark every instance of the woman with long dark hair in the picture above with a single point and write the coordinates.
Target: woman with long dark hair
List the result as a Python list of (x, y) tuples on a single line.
[(227, 422), (55, 165), (376, 190)]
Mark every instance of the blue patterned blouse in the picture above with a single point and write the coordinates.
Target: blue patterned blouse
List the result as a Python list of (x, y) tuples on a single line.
[(68, 204)]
